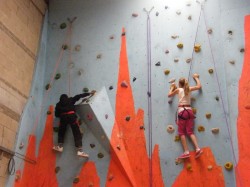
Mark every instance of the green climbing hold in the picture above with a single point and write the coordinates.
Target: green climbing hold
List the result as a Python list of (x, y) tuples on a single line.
[(127, 118), (76, 180), (100, 155), (57, 169), (48, 112), (47, 86), (85, 90), (58, 76), (64, 46), (63, 26), (55, 129)]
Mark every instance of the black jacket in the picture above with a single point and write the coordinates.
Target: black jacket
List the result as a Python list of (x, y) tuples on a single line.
[(67, 104)]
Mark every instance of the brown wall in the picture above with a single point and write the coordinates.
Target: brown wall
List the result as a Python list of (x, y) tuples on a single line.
[(20, 26)]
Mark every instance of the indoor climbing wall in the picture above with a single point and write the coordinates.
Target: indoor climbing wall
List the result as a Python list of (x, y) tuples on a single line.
[(129, 52)]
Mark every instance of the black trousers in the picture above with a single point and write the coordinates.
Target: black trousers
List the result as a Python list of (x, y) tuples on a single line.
[(69, 119)]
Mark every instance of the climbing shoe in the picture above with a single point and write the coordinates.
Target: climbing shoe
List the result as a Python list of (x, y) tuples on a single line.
[(58, 148), (184, 155), (82, 154), (198, 153)]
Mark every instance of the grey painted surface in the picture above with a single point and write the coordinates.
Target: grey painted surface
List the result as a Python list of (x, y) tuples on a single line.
[(97, 20)]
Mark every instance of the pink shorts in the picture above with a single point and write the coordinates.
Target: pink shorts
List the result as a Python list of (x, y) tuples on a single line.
[(186, 122)]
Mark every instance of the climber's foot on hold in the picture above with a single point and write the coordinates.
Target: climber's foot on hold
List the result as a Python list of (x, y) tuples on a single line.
[(80, 153), (198, 153), (58, 148)]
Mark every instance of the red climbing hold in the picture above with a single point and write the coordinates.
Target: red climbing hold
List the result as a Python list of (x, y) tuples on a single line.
[(124, 84)]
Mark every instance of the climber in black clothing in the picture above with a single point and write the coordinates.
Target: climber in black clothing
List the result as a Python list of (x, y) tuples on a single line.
[(65, 110)]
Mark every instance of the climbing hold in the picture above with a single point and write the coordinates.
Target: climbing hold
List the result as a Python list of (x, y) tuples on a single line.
[(193, 99), (111, 88), (210, 31), (197, 48), (170, 101), (47, 87), (209, 168), (48, 112), (247, 107), (102, 137), (78, 47), (230, 32), (58, 76), (166, 7), (92, 145), (170, 129), (210, 71), (178, 12), (180, 45), (111, 37), (201, 128), (167, 51), (100, 155), (76, 180), (135, 15), (89, 117), (176, 60), (177, 138), (189, 17), (174, 36), (232, 62), (90, 184), (64, 46), (188, 60), (194, 110), (134, 79), (57, 169), (124, 84), (167, 71), (149, 94), (188, 4), (106, 116), (208, 115), (228, 166), (21, 145), (118, 147), (158, 63), (71, 65), (142, 127), (217, 98), (99, 56), (80, 72), (18, 175), (85, 90), (123, 33), (171, 80), (63, 25), (127, 118), (189, 167), (55, 129), (242, 50), (110, 177), (215, 130), (157, 13)]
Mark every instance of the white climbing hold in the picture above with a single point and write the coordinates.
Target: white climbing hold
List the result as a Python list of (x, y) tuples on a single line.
[(189, 17), (171, 80), (215, 130), (176, 60), (178, 12), (174, 36), (80, 72), (170, 129), (210, 31), (21, 145), (188, 60)]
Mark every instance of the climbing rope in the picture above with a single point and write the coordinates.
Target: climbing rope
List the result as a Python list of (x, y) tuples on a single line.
[(45, 97), (222, 101), (149, 94)]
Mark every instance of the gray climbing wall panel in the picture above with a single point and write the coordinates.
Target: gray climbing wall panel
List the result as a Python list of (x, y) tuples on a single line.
[(93, 57)]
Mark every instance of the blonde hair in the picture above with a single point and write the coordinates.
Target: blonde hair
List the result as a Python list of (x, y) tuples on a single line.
[(183, 83)]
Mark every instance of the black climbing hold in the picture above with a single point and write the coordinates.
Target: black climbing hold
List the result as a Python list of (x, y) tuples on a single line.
[(85, 90), (158, 63), (58, 76), (63, 26), (99, 56), (47, 86), (111, 88), (242, 50), (55, 129), (100, 155), (166, 7), (134, 79), (76, 180), (157, 13), (149, 94), (118, 147), (124, 33), (127, 118), (92, 145), (230, 32), (64, 46), (57, 169), (217, 98), (48, 112)]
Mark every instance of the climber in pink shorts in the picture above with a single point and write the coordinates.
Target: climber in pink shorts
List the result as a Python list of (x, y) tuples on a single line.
[(185, 116)]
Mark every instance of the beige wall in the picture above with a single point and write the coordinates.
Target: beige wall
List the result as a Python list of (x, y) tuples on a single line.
[(20, 26)]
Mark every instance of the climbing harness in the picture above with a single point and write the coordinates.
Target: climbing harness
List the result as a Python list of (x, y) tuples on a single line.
[(149, 93)]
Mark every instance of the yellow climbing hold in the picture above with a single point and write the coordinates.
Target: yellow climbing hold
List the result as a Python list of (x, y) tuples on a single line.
[(201, 128), (209, 168), (228, 166), (167, 71), (177, 138), (189, 167), (180, 45), (194, 110), (208, 115), (197, 48)]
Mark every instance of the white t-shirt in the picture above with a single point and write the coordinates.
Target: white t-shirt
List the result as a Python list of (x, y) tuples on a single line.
[(184, 99)]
